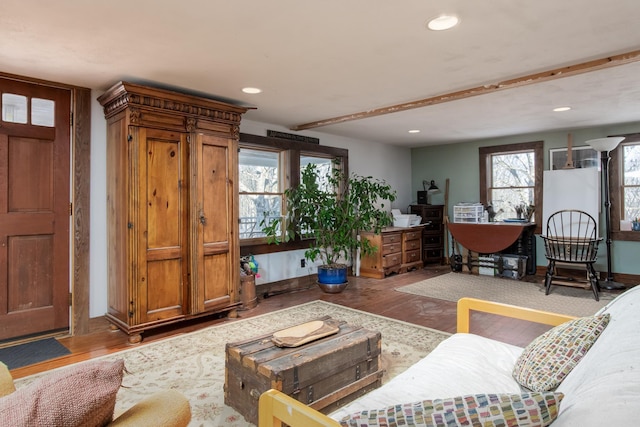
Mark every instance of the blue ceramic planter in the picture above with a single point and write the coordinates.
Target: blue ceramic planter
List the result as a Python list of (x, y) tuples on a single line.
[(332, 275)]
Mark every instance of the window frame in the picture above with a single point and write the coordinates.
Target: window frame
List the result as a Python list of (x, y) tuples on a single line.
[(616, 170), (291, 150), (484, 155)]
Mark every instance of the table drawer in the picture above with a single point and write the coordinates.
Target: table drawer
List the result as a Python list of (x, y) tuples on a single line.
[(391, 260), (432, 239), (412, 256), (391, 238), (428, 214), (432, 227), (412, 235), (391, 248), (411, 244), (433, 253)]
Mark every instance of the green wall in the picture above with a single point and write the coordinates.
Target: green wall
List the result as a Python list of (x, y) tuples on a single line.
[(459, 163)]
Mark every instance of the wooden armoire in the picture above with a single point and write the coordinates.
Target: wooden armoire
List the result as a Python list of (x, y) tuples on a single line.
[(173, 247)]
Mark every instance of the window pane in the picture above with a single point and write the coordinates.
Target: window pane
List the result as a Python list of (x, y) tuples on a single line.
[(323, 166), (259, 171), (631, 181), (42, 112), (504, 201), (631, 155), (14, 108), (255, 208), (632, 203), (513, 170), (260, 193)]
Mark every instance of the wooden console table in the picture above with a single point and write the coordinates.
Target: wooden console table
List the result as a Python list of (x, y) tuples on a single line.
[(496, 237)]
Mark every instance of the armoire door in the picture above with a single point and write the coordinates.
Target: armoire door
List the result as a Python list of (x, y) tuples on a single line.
[(34, 208), (161, 227), (216, 263)]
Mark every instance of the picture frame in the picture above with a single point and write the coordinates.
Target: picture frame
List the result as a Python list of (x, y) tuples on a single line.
[(583, 157)]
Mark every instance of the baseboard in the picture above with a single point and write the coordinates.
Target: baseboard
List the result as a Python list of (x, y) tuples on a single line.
[(581, 273), (284, 286)]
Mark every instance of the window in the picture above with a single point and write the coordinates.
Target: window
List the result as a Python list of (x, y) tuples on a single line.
[(261, 189), (631, 181), (14, 110), (624, 186), (267, 167), (511, 176)]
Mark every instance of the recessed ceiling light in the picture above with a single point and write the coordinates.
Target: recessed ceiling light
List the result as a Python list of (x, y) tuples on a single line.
[(414, 131), (251, 90), (562, 109), (443, 22)]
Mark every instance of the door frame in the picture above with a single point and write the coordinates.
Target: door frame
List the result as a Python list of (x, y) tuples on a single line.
[(80, 180)]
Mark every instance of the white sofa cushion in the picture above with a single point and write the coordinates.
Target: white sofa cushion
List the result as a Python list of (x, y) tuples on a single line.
[(604, 388), (450, 370)]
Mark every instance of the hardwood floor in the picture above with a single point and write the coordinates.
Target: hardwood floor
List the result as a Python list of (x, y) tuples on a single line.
[(371, 295)]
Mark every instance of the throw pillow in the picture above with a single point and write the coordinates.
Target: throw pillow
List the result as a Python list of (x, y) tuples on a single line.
[(83, 395), (480, 410), (549, 358)]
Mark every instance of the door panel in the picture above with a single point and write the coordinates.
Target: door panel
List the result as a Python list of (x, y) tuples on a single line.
[(30, 284), (163, 279), (213, 247), (34, 208), (216, 273)]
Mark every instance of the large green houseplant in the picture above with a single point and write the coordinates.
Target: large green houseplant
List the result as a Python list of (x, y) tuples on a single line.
[(329, 210)]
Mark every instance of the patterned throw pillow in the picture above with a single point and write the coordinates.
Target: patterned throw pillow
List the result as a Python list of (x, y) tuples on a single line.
[(83, 395), (549, 358), (480, 410)]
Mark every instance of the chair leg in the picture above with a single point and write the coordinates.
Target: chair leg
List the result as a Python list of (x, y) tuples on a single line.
[(593, 279), (548, 277)]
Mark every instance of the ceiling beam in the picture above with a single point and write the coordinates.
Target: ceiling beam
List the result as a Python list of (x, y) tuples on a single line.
[(545, 76)]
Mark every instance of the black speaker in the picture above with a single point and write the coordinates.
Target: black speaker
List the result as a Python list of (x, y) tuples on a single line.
[(422, 198)]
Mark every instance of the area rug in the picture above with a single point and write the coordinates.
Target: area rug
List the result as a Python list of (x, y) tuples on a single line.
[(194, 363), (562, 299), (32, 352)]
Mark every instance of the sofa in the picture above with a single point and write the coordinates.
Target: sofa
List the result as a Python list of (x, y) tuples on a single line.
[(84, 395), (600, 388)]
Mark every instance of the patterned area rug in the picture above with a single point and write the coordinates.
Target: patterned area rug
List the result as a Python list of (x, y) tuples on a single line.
[(562, 299), (194, 363)]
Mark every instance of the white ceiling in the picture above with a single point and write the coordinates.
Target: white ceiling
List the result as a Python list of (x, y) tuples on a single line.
[(317, 60)]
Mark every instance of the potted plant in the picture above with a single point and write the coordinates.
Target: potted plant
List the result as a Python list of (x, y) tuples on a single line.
[(330, 211)]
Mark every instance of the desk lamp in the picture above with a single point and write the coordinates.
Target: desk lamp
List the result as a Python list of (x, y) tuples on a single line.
[(433, 189)]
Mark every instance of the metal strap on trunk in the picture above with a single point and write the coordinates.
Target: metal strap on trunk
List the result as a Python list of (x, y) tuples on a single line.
[(296, 381)]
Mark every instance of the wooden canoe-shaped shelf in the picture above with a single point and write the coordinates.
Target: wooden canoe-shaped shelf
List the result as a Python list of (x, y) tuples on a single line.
[(306, 332)]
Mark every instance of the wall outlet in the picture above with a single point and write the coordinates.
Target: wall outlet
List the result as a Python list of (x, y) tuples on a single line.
[(303, 263)]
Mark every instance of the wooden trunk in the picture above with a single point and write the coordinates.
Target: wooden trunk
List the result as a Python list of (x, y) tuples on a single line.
[(322, 374)]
